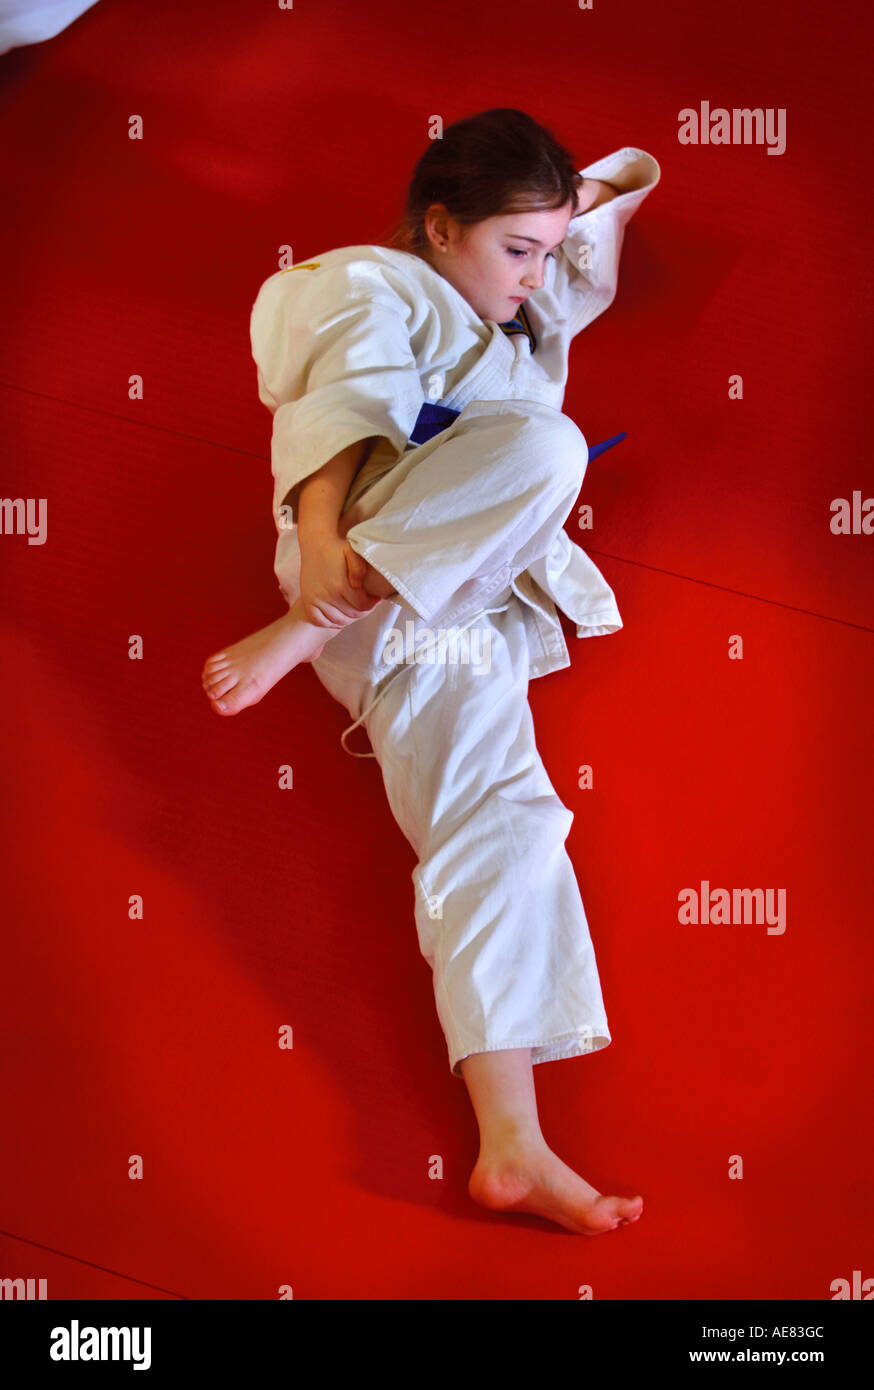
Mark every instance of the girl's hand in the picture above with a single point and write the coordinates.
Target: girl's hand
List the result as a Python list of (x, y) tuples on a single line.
[(591, 194), (331, 574)]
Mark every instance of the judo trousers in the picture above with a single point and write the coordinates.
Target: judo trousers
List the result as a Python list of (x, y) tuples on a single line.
[(498, 910)]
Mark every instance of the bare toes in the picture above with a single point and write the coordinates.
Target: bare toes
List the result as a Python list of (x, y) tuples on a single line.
[(221, 687)]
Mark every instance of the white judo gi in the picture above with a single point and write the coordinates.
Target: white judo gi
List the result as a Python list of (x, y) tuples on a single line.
[(469, 529)]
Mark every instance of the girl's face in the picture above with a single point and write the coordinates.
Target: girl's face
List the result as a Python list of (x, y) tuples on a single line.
[(496, 263)]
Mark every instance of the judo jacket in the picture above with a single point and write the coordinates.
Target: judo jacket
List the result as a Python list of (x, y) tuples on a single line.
[(360, 341)]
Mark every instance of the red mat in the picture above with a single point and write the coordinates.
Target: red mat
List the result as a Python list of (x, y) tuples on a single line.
[(265, 908)]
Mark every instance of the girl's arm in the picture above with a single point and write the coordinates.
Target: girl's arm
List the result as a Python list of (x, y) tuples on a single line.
[(584, 276), (321, 495), (331, 573), (592, 193), (336, 366)]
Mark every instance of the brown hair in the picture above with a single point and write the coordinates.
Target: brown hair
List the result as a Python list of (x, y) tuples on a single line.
[(497, 162)]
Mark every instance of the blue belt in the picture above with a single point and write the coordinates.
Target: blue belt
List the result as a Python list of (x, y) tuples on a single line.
[(433, 419)]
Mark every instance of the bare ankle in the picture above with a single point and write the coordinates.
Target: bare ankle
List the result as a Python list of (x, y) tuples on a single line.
[(298, 613), (510, 1135)]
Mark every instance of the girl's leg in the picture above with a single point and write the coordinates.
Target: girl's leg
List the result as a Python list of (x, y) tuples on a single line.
[(498, 911), (442, 531), (241, 675), (460, 516), (516, 1170)]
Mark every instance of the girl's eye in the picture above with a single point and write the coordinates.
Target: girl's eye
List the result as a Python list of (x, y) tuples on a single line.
[(550, 255)]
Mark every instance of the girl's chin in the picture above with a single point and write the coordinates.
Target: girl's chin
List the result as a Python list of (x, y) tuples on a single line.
[(501, 310)]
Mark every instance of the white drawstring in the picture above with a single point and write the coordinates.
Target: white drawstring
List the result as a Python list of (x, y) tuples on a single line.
[(446, 633)]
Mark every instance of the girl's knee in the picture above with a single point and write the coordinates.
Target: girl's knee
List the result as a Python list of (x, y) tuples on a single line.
[(556, 445)]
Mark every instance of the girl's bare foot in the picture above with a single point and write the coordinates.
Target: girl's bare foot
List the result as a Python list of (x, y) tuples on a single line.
[(527, 1176), (241, 675)]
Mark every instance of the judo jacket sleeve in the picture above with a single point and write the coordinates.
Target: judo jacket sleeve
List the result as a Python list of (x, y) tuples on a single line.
[(332, 348), (587, 265)]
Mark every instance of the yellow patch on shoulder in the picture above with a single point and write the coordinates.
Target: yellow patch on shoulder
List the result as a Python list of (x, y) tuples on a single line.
[(304, 265)]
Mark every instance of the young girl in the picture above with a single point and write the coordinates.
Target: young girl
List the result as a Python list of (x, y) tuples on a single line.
[(423, 474)]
